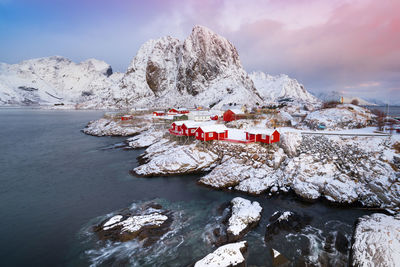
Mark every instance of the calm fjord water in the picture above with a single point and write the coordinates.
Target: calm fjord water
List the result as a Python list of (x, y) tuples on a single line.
[(55, 181)]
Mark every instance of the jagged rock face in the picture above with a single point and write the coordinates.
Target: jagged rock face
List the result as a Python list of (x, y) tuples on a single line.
[(153, 69), (203, 70), (274, 88), (205, 54)]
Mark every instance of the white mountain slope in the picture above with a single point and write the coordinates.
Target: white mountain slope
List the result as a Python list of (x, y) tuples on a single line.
[(274, 88), (203, 70), (54, 80)]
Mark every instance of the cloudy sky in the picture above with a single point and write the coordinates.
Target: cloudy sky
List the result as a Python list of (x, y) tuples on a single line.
[(350, 46)]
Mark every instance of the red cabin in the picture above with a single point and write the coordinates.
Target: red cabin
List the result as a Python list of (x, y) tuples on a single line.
[(182, 111), (158, 113), (176, 128), (233, 114), (126, 117), (214, 118), (172, 111), (189, 129), (211, 132), (266, 136)]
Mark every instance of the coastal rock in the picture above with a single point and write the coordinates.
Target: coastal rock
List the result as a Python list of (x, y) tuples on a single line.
[(146, 138), (166, 158), (244, 177), (376, 241), (278, 259), (149, 225), (227, 255), (114, 127), (245, 215), (285, 221), (238, 218)]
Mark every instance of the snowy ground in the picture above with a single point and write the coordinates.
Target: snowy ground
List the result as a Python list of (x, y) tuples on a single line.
[(342, 169), (377, 241), (116, 127)]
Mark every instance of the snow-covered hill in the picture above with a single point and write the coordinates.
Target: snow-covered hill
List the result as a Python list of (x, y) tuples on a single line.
[(275, 88), (204, 69), (54, 80)]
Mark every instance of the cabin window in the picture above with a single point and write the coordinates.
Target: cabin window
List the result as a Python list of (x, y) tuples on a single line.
[(211, 135), (202, 135), (263, 136), (197, 134), (192, 130), (272, 137)]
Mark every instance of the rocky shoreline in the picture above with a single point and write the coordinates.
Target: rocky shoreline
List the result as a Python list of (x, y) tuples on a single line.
[(344, 171), (356, 171)]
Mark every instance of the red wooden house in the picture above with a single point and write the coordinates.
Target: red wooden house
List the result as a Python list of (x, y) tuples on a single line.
[(158, 113), (126, 117), (211, 132), (176, 128), (182, 111), (172, 111), (233, 114), (267, 136), (189, 127)]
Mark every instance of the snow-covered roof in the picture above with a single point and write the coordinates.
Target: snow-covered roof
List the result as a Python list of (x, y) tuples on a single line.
[(179, 123), (236, 134), (159, 111), (195, 124), (218, 128), (260, 131), (182, 109), (236, 111)]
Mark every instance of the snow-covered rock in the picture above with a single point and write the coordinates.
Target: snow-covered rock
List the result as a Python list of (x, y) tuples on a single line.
[(344, 116), (141, 224), (376, 241), (146, 138), (167, 158), (245, 214), (280, 87), (114, 127), (227, 255)]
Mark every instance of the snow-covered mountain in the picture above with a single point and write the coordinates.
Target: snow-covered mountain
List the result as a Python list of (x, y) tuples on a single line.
[(54, 80), (204, 69), (275, 88)]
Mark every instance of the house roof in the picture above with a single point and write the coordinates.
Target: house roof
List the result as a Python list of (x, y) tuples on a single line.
[(236, 111), (196, 124), (159, 111), (260, 131), (218, 128)]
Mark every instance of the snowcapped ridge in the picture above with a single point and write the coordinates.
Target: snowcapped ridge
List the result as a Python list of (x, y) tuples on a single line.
[(273, 88), (204, 69)]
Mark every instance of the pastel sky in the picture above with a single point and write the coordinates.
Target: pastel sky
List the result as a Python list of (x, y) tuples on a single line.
[(350, 46)]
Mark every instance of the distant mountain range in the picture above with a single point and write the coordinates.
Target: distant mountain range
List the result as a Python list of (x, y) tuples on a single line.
[(204, 69)]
